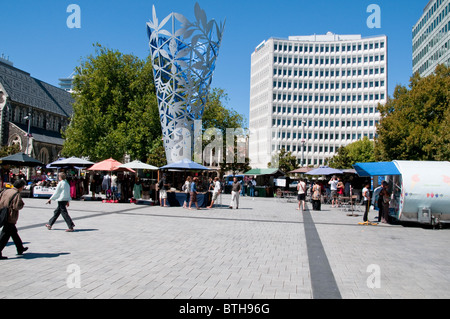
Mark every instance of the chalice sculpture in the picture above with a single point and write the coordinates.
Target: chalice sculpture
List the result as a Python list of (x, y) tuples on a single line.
[(184, 57)]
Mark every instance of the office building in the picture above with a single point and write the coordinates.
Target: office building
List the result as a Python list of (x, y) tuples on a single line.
[(313, 94), (431, 38)]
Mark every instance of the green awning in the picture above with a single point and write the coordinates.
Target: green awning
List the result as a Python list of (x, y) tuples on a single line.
[(264, 171)]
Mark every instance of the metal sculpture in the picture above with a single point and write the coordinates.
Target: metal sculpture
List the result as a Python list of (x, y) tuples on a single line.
[(184, 59)]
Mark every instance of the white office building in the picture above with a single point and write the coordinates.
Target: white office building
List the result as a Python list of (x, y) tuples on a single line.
[(319, 91), (431, 37)]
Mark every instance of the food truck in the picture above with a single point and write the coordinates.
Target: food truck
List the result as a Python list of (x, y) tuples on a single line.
[(420, 190)]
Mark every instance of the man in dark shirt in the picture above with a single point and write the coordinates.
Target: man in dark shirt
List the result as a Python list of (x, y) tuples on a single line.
[(235, 190), (12, 198)]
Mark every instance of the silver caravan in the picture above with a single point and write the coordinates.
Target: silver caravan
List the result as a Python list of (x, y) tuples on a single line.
[(420, 189)]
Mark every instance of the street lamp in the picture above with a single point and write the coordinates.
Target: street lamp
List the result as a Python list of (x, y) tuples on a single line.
[(303, 140)]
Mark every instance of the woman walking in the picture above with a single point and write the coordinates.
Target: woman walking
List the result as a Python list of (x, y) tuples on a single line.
[(62, 196)]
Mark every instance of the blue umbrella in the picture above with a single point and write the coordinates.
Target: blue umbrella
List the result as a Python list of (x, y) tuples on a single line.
[(185, 164), (324, 170)]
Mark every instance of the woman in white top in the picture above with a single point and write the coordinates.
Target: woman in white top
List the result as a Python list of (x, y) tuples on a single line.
[(301, 194)]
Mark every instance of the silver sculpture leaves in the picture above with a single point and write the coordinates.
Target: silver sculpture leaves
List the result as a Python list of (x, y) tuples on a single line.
[(183, 65)]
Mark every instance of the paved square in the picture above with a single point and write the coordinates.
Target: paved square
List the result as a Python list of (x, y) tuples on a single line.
[(265, 249)]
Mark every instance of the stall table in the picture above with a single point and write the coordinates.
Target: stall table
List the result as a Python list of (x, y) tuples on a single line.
[(176, 199)]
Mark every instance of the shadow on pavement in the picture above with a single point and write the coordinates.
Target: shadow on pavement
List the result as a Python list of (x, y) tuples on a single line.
[(41, 255)]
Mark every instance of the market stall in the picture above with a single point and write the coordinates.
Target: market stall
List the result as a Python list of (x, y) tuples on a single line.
[(265, 180), (179, 171), (420, 190)]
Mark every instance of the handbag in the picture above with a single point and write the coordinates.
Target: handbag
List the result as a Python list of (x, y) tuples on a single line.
[(4, 212)]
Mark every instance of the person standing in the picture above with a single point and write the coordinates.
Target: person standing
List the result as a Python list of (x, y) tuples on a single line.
[(301, 194), (216, 191), (316, 194), (252, 184), (366, 201), (340, 187), (187, 190), (235, 190), (194, 193), (333, 191), (11, 198), (162, 186), (383, 203), (62, 196)]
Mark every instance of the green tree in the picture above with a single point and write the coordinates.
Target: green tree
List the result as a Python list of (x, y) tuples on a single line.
[(217, 115), (9, 150), (415, 123), (157, 154), (361, 151), (115, 109), (284, 161)]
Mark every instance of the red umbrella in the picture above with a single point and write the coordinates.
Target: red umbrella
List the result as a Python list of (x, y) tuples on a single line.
[(109, 165)]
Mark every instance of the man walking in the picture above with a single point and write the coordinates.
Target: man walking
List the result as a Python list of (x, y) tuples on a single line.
[(11, 198), (216, 191), (62, 196), (235, 190)]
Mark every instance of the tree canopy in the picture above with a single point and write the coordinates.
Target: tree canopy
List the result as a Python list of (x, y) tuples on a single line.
[(415, 123), (115, 109), (283, 160), (361, 151)]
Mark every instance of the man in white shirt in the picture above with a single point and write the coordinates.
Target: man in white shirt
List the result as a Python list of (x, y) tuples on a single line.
[(216, 191), (62, 196), (301, 194), (333, 188)]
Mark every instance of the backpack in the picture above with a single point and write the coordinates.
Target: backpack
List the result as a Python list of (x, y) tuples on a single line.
[(4, 212)]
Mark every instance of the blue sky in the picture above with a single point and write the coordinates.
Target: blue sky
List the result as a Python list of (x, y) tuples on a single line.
[(36, 37)]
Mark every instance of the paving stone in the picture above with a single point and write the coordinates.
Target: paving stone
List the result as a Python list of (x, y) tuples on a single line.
[(260, 251)]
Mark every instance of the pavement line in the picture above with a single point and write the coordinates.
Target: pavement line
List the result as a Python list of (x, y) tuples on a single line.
[(322, 279)]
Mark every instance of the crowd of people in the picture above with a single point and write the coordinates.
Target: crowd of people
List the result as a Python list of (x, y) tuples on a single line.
[(125, 186), (190, 189), (338, 189)]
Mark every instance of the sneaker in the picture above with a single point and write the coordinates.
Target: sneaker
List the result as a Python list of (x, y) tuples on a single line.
[(69, 230), (48, 226)]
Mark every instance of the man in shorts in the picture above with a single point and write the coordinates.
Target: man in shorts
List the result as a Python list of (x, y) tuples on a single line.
[(216, 191)]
